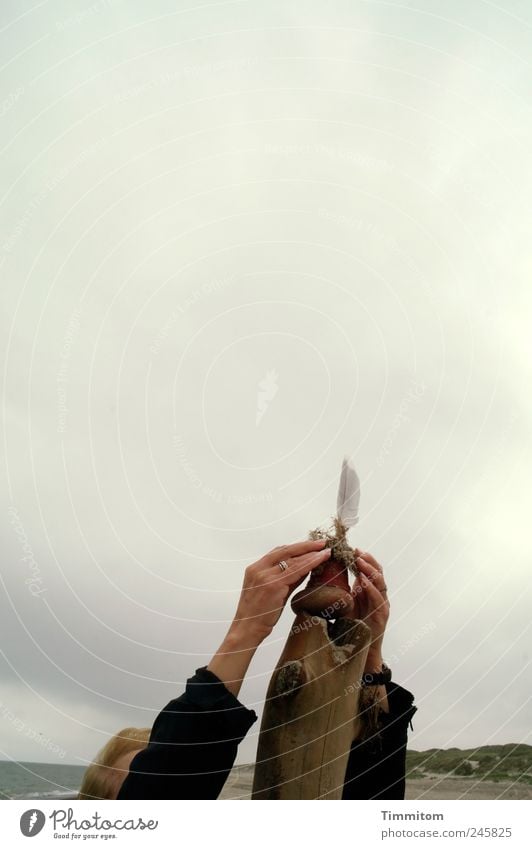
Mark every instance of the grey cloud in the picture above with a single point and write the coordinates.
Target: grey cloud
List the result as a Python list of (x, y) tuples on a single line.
[(336, 210)]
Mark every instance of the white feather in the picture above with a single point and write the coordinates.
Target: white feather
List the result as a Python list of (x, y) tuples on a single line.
[(348, 495)]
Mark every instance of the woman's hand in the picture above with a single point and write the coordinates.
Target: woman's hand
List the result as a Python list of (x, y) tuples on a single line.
[(371, 604), (264, 594), (266, 587)]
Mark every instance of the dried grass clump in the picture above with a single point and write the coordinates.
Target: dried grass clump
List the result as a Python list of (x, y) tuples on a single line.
[(336, 539)]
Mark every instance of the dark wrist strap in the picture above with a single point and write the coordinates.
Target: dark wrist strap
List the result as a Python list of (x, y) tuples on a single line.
[(375, 679)]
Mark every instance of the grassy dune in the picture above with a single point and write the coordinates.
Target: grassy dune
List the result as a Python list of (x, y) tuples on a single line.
[(511, 762)]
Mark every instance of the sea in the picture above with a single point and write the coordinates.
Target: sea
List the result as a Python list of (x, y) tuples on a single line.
[(39, 781)]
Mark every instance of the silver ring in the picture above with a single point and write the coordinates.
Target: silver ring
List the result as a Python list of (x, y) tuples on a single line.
[(283, 565)]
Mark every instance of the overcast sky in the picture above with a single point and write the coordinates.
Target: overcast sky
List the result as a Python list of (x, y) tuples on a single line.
[(240, 240)]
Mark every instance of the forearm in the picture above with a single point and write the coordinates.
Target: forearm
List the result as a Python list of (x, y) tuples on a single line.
[(231, 661), (374, 665)]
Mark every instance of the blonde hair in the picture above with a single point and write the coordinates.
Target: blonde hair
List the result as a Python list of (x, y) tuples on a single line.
[(98, 779)]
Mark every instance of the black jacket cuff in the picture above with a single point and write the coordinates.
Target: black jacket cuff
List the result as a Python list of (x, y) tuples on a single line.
[(208, 692), (400, 708), (213, 713)]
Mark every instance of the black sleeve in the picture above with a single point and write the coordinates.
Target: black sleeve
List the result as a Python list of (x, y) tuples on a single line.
[(192, 745), (376, 765)]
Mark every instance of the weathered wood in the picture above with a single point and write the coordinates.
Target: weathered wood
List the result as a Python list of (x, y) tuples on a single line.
[(310, 715)]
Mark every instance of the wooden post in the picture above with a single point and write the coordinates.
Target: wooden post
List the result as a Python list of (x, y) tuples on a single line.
[(310, 716)]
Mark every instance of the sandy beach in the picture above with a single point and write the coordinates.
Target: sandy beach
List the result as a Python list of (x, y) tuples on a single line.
[(238, 786)]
